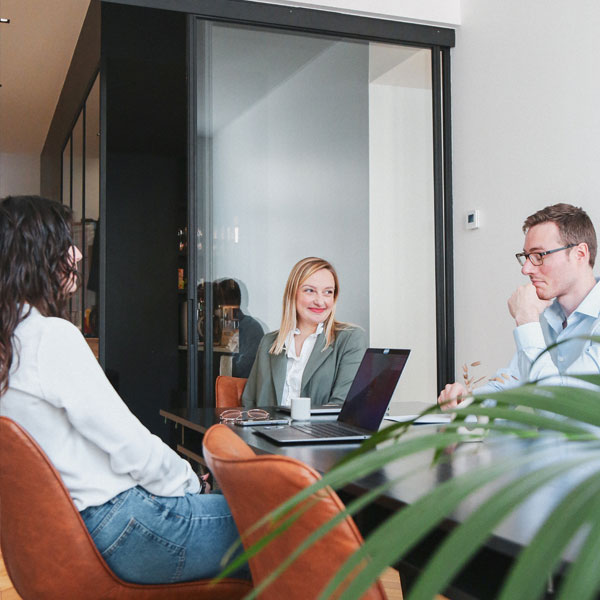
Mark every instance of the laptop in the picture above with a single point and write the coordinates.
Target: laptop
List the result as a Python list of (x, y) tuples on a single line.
[(363, 410)]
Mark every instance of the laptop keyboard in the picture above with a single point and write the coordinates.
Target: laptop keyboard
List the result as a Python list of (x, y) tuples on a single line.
[(325, 430)]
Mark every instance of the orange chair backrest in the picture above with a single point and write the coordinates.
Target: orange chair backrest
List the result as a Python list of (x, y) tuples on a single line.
[(228, 391), (46, 547), (256, 484)]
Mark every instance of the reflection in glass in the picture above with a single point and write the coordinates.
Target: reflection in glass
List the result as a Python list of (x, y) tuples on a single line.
[(92, 210), (240, 332), (318, 146), (77, 207)]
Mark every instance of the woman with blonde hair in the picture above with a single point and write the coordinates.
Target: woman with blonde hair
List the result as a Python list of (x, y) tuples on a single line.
[(311, 354)]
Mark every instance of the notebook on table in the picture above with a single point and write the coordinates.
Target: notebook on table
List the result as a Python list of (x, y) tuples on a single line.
[(363, 409)]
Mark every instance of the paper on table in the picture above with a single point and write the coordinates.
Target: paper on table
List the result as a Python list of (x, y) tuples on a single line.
[(423, 420)]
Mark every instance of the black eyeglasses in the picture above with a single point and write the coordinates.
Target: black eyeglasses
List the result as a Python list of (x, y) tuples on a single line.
[(537, 258)]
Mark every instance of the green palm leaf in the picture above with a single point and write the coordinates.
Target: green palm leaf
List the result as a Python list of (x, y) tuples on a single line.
[(583, 578), (539, 559), (464, 541), (403, 530)]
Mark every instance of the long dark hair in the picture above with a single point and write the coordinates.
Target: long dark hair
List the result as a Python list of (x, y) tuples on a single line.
[(35, 239)]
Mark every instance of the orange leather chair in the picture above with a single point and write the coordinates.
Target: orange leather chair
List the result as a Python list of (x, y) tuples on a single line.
[(256, 484), (228, 391), (46, 547)]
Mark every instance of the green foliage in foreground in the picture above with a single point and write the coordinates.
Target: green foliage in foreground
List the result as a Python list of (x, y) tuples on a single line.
[(544, 413)]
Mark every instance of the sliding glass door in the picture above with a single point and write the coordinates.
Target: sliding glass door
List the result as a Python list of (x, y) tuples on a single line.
[(314, 145)]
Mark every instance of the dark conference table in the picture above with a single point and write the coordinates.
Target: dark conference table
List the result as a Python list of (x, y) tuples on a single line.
[(482, 576)]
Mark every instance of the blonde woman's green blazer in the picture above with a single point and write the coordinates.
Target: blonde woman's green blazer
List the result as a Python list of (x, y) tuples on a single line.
[(326, 379)]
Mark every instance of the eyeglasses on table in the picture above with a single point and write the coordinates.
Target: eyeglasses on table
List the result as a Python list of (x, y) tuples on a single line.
[(253, 414)]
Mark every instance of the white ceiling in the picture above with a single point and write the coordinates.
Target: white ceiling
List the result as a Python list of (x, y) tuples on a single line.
[(36, 48)]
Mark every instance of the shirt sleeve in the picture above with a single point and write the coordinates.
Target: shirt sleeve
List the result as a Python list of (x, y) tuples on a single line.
[(251, 389), (502, 379), (72, 379), (351, 357), (531, 344)]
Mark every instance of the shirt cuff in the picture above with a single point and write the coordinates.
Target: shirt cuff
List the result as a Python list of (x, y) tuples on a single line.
[(529, 336)]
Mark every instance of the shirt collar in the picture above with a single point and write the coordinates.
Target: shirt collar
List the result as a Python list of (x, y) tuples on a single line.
[(555, 316), (290, 338), (317, 332), (589, 306)]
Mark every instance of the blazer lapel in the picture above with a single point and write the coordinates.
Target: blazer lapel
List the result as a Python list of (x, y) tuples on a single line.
[(278, 371), (317, 356)]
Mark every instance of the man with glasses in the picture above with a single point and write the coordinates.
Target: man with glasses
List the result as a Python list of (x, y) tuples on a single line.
[(561, 301)]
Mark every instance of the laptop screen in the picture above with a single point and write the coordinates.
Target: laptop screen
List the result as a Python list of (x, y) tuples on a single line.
[(372, 388)]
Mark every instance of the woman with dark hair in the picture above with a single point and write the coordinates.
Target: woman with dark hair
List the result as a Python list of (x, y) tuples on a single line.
[(142, 503), (312, 354)]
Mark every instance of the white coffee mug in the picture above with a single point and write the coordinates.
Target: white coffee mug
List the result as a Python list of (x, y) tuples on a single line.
[(300, 409)]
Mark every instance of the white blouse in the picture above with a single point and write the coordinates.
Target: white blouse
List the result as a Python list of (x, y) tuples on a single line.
[(60, 395), (292, 387)]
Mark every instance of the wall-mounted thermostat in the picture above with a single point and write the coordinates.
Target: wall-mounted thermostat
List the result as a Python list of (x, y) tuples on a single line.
[(473, 219)]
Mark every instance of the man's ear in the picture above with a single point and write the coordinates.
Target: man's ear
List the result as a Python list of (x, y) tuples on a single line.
[(582, 252)]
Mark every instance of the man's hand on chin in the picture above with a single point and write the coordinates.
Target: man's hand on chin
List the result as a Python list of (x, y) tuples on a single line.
[(525, 306)]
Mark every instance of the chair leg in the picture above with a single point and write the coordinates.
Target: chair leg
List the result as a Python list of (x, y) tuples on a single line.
[(390, 579)]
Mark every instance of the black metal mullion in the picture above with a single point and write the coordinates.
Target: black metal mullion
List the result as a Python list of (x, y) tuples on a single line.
[(448, 217), (71, 171), (83, 244), (101, 227), (438, 199), (71, 202), (205, 194), (192, 284)]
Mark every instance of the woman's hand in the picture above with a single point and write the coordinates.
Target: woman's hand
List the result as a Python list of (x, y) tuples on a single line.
[(206, 487)]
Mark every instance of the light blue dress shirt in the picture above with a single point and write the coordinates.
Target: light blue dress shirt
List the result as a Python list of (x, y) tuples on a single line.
[(574, 357)]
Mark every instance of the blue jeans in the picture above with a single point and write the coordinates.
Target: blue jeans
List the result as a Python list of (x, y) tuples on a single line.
[(155, 539)]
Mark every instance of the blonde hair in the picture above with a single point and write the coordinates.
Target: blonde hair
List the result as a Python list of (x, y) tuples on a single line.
[(301, 271)]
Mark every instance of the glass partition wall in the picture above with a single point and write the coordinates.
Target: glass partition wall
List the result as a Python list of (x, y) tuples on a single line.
[(314, 145), (81, 192)]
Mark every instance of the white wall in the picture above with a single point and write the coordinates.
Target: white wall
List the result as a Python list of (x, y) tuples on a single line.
[(401, 214), (422, 11), (19, 174), (526, 134)]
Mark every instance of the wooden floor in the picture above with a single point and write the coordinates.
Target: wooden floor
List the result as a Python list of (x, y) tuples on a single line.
[(7, 591)]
